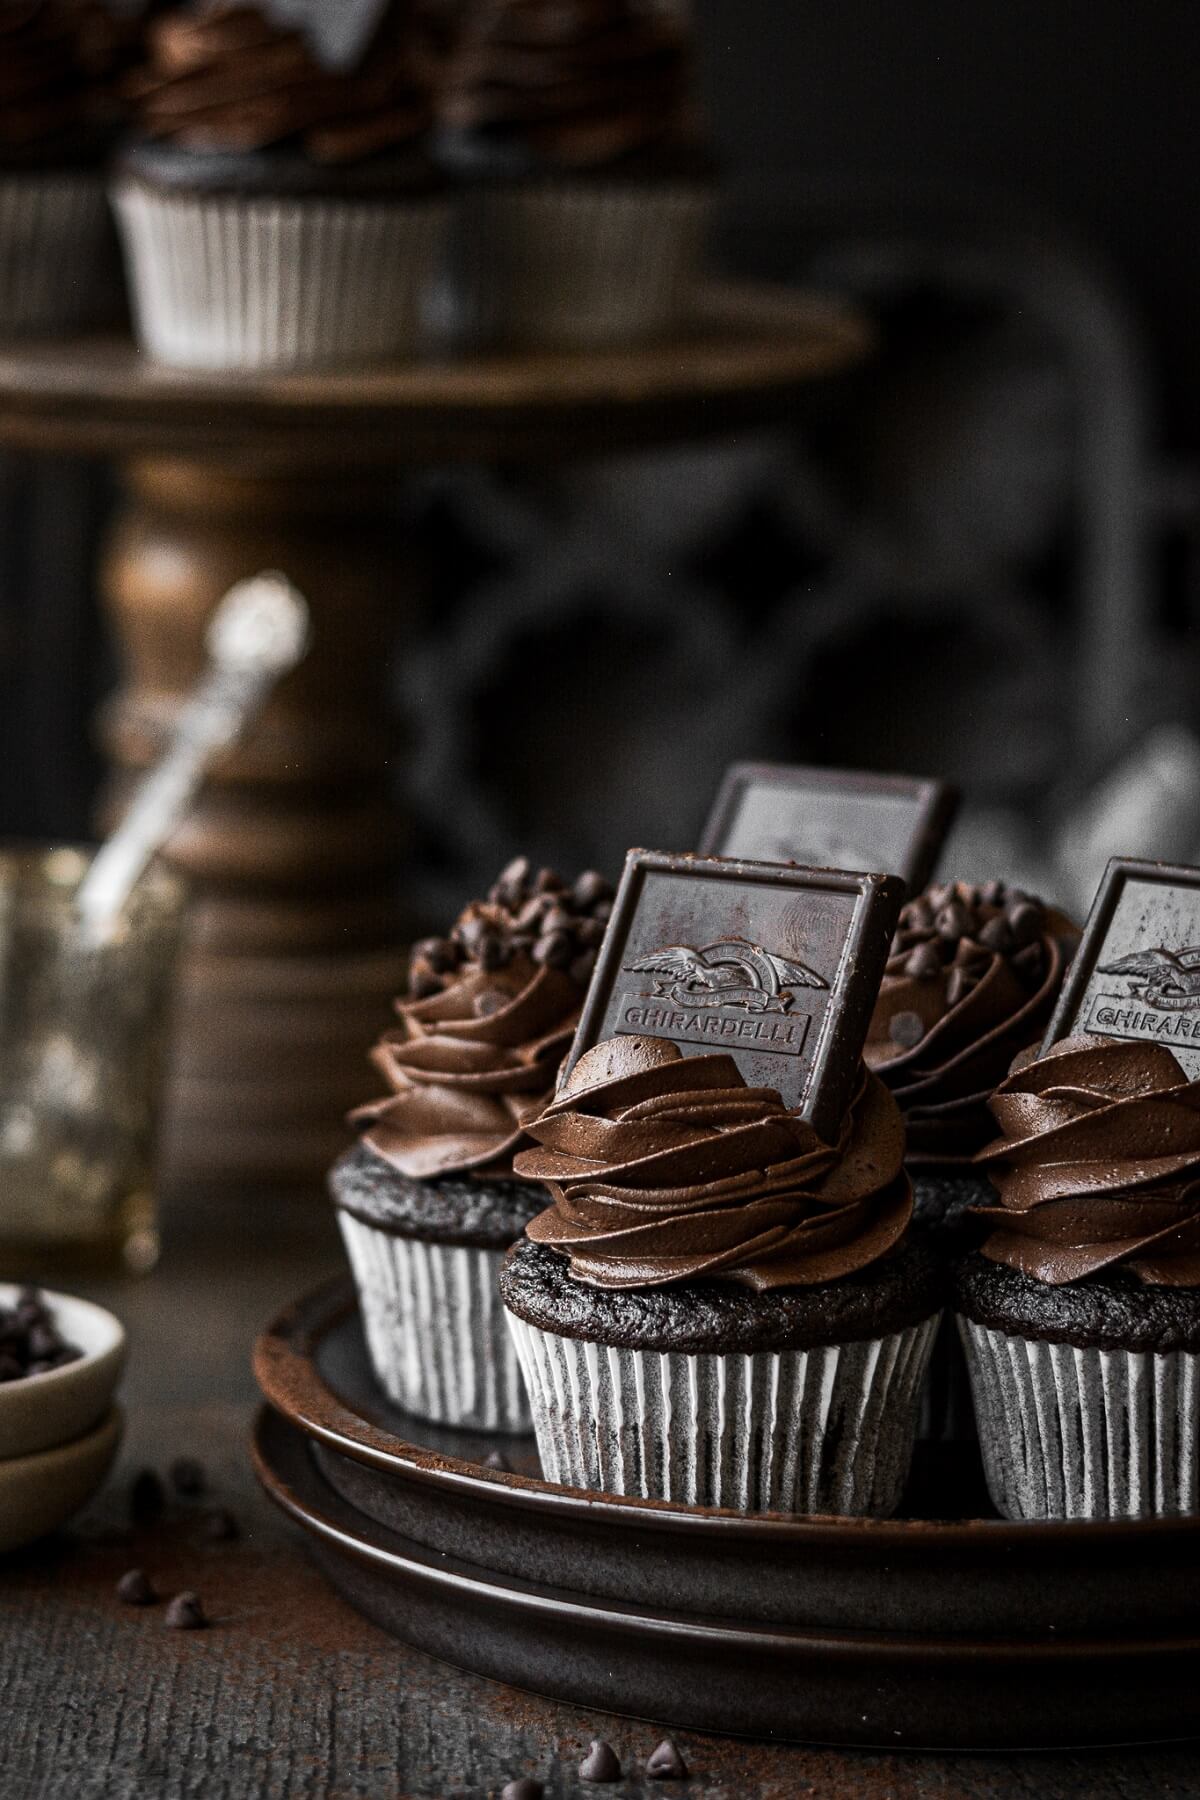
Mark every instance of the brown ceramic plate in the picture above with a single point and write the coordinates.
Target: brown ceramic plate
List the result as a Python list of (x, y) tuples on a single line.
[(706, 1673), (931, 1632)]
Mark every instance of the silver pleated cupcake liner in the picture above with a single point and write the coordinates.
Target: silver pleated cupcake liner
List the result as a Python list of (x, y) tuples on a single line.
[(237, 282), (435, 1331), (1070, 1433), (56, 251), (577, 266), (827, 1430)]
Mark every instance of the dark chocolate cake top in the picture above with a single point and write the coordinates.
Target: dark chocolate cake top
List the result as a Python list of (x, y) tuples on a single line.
[(665, 1168), (1097, 1167), (491, 1012), (715, 1317), (230, 77), (971, 981), (582, 85)]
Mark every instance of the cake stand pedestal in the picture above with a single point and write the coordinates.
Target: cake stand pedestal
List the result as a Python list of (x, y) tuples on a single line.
[(296, 852)]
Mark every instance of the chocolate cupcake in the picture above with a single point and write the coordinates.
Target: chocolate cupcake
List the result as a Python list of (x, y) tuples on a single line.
[(718, 1307), (56, 251), (428, 1201), (1080, 1315), (587, 190), (279, 209)]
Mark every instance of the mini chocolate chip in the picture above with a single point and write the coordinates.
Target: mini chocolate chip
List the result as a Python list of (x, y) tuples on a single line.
[(906, 1029), (959, 984), (493, 953), (1025, 921), (996, 935), (438, 953), (993, 893), (511, 882), (496, 1459), (523, 1788), (135, 1589), (580, 970), (188, 1477), (600, 1763), (589, 931), (556, 919), (939, 895), (185, 1613), (470, 933), (1030, 963), (146, 1498), (951, 921), (589, 888), (535, 910), (220, 1526), (971, 955), (42, 1341), (665, 1763), (548, 882), (918, 914), (602, 910), (554, 949), (923, 963)]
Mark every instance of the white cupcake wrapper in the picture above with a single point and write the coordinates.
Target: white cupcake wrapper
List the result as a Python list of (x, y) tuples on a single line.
[(827, 1430), (573, 266), (56, 252), (238, 282), (1084, 1434), (435, 1330)]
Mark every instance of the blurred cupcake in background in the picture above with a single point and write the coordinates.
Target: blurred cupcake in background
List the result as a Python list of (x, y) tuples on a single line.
[(277, 205), (56, 258), (587, 186), (428, 1200)]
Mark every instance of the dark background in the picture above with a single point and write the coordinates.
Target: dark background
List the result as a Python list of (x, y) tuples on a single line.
[(977, 559)]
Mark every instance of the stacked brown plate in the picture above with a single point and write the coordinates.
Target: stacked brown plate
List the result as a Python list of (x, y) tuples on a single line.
[(931, 1632)]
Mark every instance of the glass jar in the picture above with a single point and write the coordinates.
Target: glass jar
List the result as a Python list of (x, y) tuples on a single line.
[(83, 1041)]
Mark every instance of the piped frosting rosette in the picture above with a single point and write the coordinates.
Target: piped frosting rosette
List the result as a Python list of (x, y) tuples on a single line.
[(665, 1168), (1081, 1315), (972, 980), (466, 1067), (1097, 1166)]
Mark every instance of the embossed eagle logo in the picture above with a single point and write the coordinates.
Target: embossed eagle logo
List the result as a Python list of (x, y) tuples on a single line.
[(1166, 979), (731, 973)]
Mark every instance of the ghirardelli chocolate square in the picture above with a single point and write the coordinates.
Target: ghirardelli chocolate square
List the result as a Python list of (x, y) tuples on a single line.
[(831, 818), (779, 966), (1136, 973)]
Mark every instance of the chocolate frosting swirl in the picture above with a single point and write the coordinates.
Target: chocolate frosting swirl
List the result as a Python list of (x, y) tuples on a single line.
[(581, 84), (467, 1066), (491, 1012), (228, 78), (1098, 1166), (971, 982), (666, 1168), (43, 91)]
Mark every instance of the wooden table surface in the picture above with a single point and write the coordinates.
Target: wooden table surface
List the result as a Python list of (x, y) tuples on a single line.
[(289, 1693)]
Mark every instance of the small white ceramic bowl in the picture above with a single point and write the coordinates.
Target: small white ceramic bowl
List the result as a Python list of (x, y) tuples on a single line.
[(39, 1493), (39, 1411)]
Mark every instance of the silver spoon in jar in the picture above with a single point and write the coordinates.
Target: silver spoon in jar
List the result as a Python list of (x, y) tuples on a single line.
[(257, 633)]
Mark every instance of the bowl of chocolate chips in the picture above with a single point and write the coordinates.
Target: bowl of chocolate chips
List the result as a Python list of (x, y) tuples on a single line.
[(60, 1361)]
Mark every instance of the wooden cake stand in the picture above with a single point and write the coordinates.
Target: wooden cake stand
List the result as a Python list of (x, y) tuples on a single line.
[(297, 851)]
